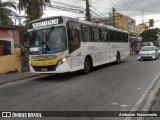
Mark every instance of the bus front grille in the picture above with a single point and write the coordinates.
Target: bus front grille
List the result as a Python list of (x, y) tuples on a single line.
[(44, 68)]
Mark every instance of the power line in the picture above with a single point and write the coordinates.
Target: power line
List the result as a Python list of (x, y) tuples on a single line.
[(96, 14), (95, 2), (124, 5), (116, 6), (67, 5), (137, 4), (129, 12), (130, 7), (66, 8), (98, 11)]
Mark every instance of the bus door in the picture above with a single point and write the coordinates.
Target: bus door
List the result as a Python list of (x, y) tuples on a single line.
[(105, 38), (109, 46), (97, 47), (74, 45)]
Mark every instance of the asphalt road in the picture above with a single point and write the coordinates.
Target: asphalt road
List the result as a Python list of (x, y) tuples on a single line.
[(111, 87)]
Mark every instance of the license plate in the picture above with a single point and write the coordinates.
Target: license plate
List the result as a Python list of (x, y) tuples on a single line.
[(44, 69)]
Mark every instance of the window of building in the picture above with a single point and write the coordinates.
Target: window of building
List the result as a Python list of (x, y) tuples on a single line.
[(5, 47)]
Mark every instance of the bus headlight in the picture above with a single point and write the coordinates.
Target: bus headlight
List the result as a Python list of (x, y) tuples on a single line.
[(62, 61)]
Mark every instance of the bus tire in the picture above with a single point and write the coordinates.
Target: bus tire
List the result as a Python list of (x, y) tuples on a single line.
[(87, 65), (118, 58)]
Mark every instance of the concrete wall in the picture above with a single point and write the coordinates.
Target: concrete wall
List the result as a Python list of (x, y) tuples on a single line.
[(7, 63), (12, 61)]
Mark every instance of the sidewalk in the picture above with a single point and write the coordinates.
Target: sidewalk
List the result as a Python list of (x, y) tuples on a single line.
[(10, 77), (156, 107)]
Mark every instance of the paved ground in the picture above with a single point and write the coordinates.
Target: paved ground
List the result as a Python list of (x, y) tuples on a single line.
[(155, 107), (14, 76), (52, 84)]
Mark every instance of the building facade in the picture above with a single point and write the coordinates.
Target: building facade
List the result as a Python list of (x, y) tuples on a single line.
[(140, 28), (10, 52), (123, 22)]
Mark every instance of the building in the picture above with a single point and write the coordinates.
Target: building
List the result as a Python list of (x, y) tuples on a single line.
[(140, 28), (123, 22), (10, 52)]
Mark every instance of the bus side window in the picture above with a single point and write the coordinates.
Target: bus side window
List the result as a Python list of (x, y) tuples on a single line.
[(74, 39), (117, 36), (86, 33), (109, 36), (124, 37), (112, 37), (120, 36), (103, 35), (126, 40), (95, 34)]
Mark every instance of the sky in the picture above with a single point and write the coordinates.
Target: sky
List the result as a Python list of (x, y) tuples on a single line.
[(139, 10)]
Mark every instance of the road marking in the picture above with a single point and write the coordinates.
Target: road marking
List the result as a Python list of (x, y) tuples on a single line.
[(143, 96), (115, 103), (123, 105)]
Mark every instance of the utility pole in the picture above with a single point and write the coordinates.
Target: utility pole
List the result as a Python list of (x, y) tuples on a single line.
[(88, 16), (29, 10), (114, 10), (142, 16)]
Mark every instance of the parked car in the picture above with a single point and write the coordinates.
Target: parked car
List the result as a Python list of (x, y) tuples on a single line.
[(148, 52)]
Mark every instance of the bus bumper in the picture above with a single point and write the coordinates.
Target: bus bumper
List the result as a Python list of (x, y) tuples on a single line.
[(63, 68)]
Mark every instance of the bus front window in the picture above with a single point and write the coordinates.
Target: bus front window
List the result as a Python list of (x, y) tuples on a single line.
[(47, 41)]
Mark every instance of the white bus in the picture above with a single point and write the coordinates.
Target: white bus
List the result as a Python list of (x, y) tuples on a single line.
[(63, 44)]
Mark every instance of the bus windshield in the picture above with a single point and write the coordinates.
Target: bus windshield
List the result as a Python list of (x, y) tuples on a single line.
[(47, 41)]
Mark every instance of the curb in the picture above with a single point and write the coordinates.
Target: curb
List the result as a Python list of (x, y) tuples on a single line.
[(18, 79)]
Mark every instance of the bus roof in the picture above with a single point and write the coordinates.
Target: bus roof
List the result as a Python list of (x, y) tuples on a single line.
[(81, 21), (96, 24)]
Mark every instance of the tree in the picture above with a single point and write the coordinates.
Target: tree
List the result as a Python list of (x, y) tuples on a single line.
[(33, 8), (150, 35), (5, 12)]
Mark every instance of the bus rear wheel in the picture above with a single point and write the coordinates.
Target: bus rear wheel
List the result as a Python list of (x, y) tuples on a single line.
[(87, 65)]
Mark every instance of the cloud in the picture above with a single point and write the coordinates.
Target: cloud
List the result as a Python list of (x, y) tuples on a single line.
[(131, 8)]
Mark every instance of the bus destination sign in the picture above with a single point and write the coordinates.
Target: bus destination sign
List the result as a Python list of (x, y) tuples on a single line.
[(45, 22)]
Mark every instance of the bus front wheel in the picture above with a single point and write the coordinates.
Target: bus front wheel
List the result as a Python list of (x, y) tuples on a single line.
[(87, 65)]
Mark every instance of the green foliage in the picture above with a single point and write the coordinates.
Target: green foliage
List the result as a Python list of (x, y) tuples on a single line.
[(33, 8), (5, 12), (150, 35)]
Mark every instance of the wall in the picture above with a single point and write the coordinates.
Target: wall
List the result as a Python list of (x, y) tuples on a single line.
[(11, 60), (7, 64)]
